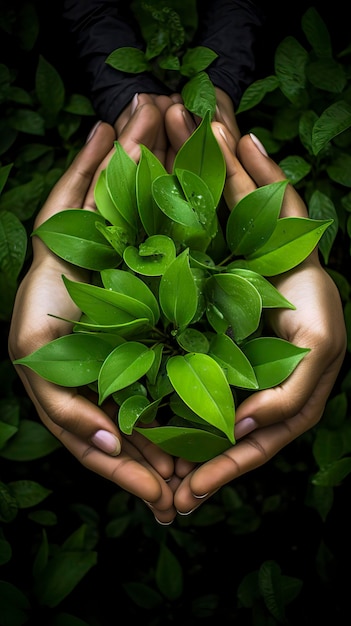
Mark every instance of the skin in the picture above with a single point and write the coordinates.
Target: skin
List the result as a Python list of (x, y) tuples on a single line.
[(278, 416)]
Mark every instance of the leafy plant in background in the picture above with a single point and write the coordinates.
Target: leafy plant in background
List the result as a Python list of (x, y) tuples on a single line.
[(172, 327), (305, 106)]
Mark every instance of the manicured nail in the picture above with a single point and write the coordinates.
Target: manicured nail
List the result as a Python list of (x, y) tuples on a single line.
[(244, 427), (93, 131), (134, 103), (187, 512), (163, 523), (107, 442), (258, 144), (221, 132)]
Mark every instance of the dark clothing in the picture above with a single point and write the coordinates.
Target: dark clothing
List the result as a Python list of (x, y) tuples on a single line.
[(98, 27)]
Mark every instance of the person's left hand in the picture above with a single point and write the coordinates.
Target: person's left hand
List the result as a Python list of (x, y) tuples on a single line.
[(87, 430), (270, 419)]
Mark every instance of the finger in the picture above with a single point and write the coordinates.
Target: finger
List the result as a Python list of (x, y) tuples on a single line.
[(70, 190), (225, 114), (238, 182), (179, 125), (248, 454), (263, 170), (128, 471)]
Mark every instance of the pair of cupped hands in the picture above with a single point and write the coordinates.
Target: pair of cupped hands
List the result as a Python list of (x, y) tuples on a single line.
[(267, 420)]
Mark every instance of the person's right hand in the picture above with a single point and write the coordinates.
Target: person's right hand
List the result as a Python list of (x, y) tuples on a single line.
[(269, 419), (88, 431)]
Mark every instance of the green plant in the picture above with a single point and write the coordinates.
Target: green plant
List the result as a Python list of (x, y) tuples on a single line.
[(168, 55), (171, 323), (302, 114)]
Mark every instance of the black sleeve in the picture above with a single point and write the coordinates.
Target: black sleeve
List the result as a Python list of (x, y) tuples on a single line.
[(98, 27), (230, 28)]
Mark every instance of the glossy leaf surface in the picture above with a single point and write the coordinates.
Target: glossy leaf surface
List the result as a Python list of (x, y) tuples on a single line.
[(202, 155), (273, 359), (124, 366), (70, 361), (202, 385), (178, 292), (192, 444), (73, 236), (238, 302)]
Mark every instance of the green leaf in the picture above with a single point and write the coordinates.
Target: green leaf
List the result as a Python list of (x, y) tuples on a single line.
[(271, 297), (270, 585), (108, 209), (4, 174), (121, 184), (202, 385), (192, 340), (292, 241), (327, 74), (178, 292), (107, 307), (153, 257), (169, 574), (148, 169), (130, 411), (73, 236), (192, 444), (13, 244), (197, 59), (170, 198), (32, 441), (295, 168), (62, 574), (199, 95), (316, 32), (333, 121), (200, 199), (125, 365), (332, 475), (255, 92), (128, 59), (70, 361), (321, 207), (237, 301), (49, 88), (123, 281), (273, 359), (235, 364), (28, 493), (15, 605), (253, 219), (202, 155), (289, 63)]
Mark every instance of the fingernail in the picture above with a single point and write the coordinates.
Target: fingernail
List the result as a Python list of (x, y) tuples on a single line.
[(200, 497), (163, 523), (134, 103), (221, 132), (93, 131), (244, 427), (107, 442), (258, 144), (187, 512)]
